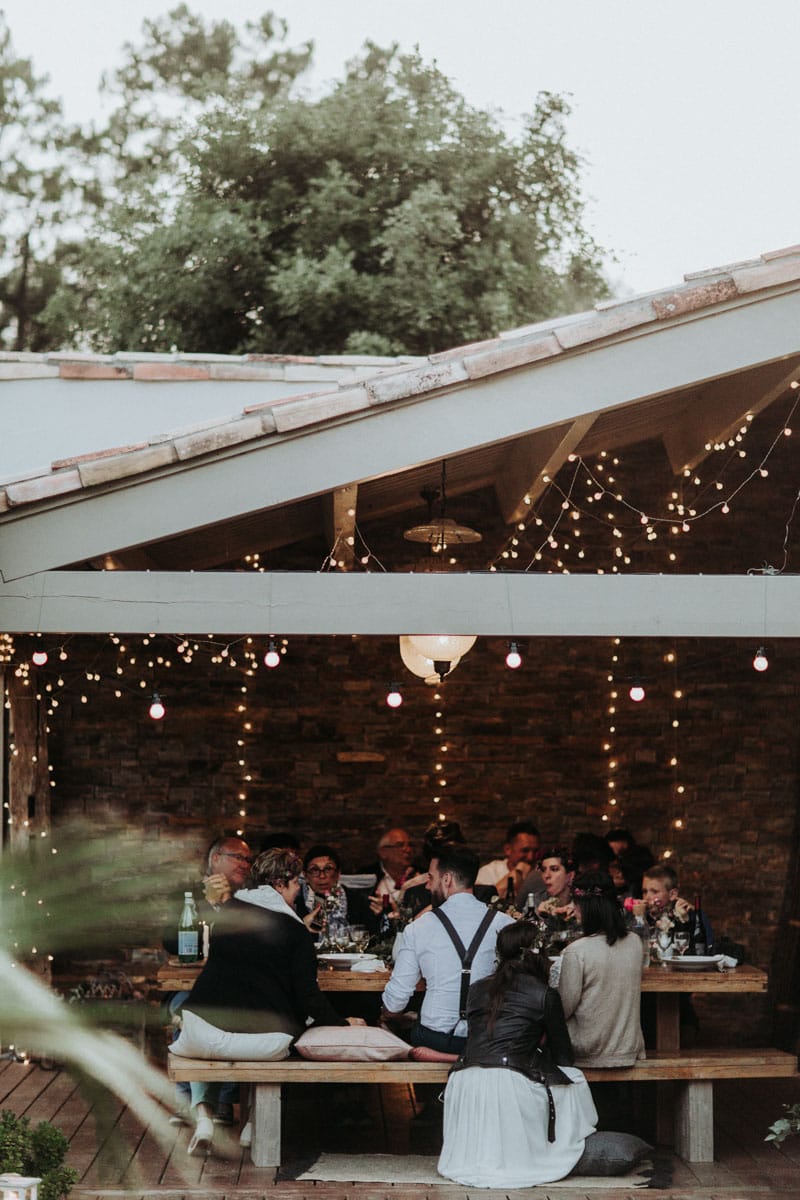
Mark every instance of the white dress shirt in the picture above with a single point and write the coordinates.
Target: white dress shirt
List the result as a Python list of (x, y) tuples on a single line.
[(426, 952)]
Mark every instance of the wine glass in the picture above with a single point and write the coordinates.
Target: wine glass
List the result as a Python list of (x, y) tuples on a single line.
[(681, 942), (360, 937), (664, 940)]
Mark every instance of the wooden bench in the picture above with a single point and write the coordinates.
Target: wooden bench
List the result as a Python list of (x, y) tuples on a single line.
[(692, 1073)]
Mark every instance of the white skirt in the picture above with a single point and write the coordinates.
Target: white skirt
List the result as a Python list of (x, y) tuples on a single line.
[(495, 1128)]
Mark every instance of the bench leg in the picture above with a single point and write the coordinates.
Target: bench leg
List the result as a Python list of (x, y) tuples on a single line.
[(694, 1121), (265, 1149)]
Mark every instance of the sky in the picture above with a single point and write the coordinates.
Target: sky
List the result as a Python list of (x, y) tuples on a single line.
[(687, 114)]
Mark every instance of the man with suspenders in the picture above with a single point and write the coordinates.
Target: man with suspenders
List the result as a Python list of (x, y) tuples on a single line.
[(449, 947)]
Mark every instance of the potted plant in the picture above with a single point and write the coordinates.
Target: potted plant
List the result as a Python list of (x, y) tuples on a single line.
[(38, 1152)]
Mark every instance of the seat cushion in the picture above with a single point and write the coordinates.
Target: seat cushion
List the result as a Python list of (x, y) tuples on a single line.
[(609, 1153), (425, 1054), (201, 1039), (351, 1043)]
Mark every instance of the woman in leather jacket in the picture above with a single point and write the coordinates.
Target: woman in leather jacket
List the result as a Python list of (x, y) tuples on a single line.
[(516, 1111)]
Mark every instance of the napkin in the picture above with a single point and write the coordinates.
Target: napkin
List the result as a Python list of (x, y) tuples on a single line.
[(725, 962), (366, 966)]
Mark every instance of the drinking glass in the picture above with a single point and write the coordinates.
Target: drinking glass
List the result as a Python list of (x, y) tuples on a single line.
[(681, 941), (360, 937), (664, 940)]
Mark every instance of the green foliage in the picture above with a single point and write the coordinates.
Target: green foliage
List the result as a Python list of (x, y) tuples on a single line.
[(785, 1126), (38, 1153), (386, 216)]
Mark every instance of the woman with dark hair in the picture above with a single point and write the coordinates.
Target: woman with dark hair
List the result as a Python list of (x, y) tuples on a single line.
[(323, 900), (601, 978), (261, 973), (516, 1112)]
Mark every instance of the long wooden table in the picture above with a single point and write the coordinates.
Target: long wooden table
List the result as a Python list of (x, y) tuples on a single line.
[(667, 982)]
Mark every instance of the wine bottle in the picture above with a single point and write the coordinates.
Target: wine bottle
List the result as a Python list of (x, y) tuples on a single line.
[(511, 892), (188, 931)]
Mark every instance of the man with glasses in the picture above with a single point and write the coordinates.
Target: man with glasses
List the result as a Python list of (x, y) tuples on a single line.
[(394, 867)]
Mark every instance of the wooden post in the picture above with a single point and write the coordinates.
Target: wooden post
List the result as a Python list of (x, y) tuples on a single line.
[(28, 776)]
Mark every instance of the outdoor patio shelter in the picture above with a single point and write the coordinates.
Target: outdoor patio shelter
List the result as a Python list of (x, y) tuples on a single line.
[(133, 487)]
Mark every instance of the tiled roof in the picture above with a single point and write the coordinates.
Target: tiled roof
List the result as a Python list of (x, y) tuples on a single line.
[(347, 385)]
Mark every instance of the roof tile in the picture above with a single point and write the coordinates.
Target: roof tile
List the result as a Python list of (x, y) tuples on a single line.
[(318, 373), (87, 370), (778, 270), (27, 370), (60, 463), (174, 371), (242, 429), (249, 372), (322, 406), (397, 385), (120, 466), (505, 357), (604, 324), (786, 252), (43, 488), (462, 351), (4, 505), (690, 299)]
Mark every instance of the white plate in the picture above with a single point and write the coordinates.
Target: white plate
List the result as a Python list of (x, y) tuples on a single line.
[(345, 958), (695, 962)]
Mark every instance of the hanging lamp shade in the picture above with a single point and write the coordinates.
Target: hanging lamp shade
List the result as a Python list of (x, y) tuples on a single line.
[(437, 646), (441, 532), (422, 666)]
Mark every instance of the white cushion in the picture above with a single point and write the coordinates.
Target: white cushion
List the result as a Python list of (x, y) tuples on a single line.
[(200, 1039), (351, 1043)]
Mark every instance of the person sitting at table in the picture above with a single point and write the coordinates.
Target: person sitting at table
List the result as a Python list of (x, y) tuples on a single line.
[(660, 892), (430, 951), (415, 895), (600, 979), (516, 1110), (553, 904), (261, 973), (520, 851), (394, 867), (227, 867), (323, 902)]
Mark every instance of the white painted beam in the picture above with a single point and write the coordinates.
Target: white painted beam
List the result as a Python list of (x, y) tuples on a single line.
[(749, 606), (277, 470)]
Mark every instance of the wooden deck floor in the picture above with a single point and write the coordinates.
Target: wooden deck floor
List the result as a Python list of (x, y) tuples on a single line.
[(117, 1158)]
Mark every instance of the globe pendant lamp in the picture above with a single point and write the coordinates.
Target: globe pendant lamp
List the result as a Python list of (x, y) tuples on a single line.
[(437, 646), (424, 667)]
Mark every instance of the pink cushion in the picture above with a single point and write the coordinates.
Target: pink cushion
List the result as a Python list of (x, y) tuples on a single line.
[(425, 1054), (351, 1043)]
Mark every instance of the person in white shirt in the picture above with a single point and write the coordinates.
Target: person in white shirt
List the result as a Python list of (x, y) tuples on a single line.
[(520, 850), (428, 952)]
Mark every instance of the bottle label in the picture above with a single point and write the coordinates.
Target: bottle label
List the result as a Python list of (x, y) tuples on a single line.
[(188, 943)]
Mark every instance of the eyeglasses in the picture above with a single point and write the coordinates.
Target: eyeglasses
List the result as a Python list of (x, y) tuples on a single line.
[(321, 870), (240, 857), (395, 846)]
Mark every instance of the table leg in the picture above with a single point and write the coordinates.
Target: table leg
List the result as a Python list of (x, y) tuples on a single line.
[(694, 1121), (668, 1037), (265, 1115)]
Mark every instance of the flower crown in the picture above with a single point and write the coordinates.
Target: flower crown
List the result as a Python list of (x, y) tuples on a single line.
[(595, 891)]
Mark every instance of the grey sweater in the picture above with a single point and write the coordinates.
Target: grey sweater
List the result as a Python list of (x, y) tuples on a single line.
[(600, 986)]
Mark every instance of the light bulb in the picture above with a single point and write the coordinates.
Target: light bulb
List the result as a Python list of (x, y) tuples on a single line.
[(636, 693), (394, 697), (157, 708), (272, 658), (39, 658), (513, 658), (760, 661)]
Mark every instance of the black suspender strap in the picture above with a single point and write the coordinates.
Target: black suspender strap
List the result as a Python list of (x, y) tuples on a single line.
[(466, 956)]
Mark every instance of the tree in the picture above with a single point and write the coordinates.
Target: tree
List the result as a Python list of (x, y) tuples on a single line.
[(387, 216), (35, 195)]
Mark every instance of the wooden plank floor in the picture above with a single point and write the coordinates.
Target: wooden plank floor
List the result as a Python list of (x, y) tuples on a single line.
[(117, 1158)]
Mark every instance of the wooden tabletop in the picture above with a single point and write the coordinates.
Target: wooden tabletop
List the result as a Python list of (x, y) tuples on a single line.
[(180, 977)]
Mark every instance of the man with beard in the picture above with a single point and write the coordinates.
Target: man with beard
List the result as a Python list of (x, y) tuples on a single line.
[(448, 947)]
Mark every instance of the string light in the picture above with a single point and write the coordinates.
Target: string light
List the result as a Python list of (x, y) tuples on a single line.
[(636, 692), (513, 658), (272, 658), (760, 660), (394, 697), (157, 709)]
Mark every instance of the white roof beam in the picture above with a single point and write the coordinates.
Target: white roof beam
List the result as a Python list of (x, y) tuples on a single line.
[(520, 478), (529, 605)]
